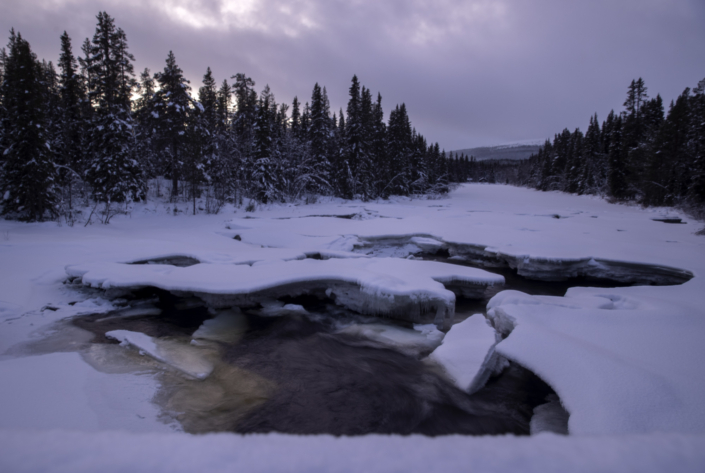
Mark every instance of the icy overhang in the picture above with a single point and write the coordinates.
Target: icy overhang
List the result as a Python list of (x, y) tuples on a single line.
[(381, 286)]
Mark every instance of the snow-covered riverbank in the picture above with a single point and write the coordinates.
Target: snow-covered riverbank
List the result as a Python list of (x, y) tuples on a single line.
[(626, 362)]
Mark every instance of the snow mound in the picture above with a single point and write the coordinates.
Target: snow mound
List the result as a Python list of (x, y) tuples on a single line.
[(467, 353), (384, 286), (187, 359), (622, 361)]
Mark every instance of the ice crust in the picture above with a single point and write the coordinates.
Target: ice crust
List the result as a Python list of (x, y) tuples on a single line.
[(424, 338), (228, 327), (380, 286), (467, 354), (550, 417)]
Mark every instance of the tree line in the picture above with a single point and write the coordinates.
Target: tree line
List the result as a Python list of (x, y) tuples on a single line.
[(640, 154), (94, 132)]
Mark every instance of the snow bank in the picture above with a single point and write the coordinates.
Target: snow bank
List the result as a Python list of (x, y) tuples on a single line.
[(61, 391), (467, 353), (387, 286), (110, 452), (623, 361)]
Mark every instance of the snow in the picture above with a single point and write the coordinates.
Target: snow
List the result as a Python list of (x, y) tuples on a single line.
[(403, 288), (117, 452), (626, 362), (467, 353), (61, 391), (621, 360)]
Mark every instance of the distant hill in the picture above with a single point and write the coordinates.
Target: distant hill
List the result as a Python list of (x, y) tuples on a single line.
[(503, 152)]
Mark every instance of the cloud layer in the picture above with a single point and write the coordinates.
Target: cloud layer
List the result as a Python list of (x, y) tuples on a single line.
[(472, 72)]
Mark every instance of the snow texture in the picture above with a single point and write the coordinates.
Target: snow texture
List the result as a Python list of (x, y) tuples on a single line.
[(118, 452)]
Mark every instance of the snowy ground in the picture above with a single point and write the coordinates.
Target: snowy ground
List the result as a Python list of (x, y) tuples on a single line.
[(626, 362)]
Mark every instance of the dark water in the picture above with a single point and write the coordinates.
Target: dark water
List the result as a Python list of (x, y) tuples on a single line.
[(464, 308), (328, 384), (294, 374)]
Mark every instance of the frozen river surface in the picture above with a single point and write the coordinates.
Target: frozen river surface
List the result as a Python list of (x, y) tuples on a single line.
[(622, 358)]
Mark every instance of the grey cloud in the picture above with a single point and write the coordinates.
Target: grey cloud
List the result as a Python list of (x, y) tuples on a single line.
[(471, 72)]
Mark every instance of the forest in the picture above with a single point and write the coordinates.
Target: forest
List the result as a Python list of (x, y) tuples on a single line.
[(642, 154), (93, 134)]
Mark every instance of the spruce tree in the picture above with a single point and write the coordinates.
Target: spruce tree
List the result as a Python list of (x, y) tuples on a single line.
[(113, 170), (147, 148), (319, 136), (697, 129), (378, 148), (296, 118), (398, 150), (70, 149), (617, 178), (348, 172), (265, 170), (27, 179), (173, 106)]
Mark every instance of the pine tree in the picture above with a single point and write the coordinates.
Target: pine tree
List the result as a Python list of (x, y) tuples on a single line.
[(224, 97), (113, 170), (319, 136), (378, 148), (296, 118), (398, 150), (265, 169), (70, 155), (697, 128), (173, 106), (574, 164), (348, 173), (365, 171), (617, 179), (146, 116), (27, 179)]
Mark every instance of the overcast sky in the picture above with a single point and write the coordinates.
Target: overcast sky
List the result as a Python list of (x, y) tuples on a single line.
[(471, 72)]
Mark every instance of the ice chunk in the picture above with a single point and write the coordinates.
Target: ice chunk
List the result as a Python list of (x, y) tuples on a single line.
[(429, 245), (550, 417), (408, 341), (278, 308), (228, 326), (467, 353), (622, 360), (381, 286), (185, 358)]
